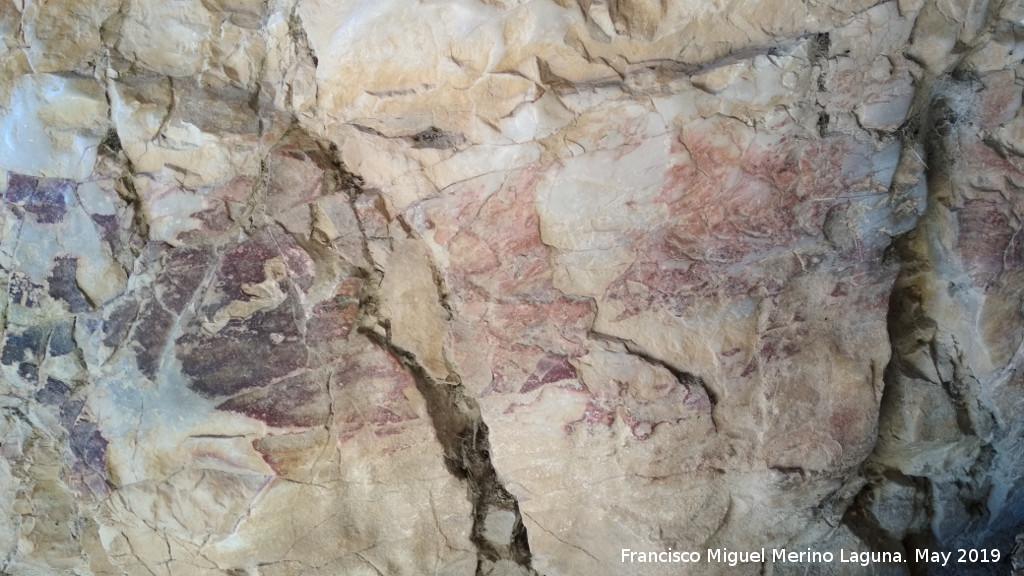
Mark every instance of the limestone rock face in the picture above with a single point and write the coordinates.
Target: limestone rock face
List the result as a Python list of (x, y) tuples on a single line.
[(504, 287)]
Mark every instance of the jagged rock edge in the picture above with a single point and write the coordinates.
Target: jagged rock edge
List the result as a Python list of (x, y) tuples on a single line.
[(926, 131), (454, 413)]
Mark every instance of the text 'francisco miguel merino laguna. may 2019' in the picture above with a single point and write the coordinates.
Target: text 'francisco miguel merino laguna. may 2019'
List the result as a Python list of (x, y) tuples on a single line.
[(809, 556)]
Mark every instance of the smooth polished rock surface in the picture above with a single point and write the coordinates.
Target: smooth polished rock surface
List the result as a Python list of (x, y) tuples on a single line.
[(504, 287)]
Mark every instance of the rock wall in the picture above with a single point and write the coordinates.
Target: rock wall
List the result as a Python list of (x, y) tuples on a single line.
[(503, 287)]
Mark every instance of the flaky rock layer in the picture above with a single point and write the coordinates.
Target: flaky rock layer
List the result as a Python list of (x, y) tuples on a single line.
[(504, 287)]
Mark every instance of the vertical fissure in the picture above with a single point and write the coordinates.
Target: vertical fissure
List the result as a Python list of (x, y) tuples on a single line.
[(933, 470), (455, 414), (465, 439)]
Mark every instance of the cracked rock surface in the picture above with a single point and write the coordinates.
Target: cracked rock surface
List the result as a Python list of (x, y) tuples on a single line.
[(502, 287)]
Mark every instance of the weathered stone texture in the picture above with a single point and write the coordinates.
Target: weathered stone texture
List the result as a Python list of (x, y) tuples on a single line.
[(501, 287)]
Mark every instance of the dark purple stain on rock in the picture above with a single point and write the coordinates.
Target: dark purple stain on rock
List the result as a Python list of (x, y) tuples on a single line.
[(749, 369), (550, 368), (300, 265), (244, 354), (19, 188), (62, 339), (23, 291), (69, 412), (214, 220), (88, 445), (383, 416), (332, 320), (50, 201), (252, 352), (244, 264), (28, 371), (46, 198), (150, 337), (108, 224), (295, 176), (182, 275), (63, 285), (25, 346), (298, 401), (117, 323), (55, 393)]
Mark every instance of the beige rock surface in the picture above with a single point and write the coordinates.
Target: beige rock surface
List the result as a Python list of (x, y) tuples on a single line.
[(504, 287)]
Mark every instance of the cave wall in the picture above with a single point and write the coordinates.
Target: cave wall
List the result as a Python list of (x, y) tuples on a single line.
[(504, 287)]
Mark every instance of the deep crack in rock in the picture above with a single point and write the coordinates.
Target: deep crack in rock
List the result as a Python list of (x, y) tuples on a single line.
[(908, 504), (455, 414)]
